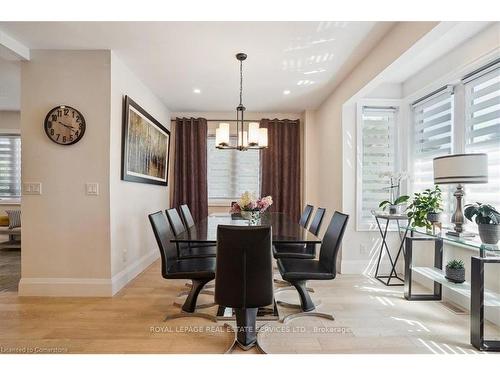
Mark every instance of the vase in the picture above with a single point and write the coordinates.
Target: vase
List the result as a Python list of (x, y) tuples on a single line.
[(394, 209), (253, 217), (455, 275), (489, 233)]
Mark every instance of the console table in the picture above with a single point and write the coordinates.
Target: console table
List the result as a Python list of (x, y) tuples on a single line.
[(479, 296), (383, 233)]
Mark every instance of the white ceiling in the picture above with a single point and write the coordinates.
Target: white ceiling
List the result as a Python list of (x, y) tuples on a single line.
[(173, 58)]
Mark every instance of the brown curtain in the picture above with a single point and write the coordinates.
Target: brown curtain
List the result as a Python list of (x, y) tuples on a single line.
[(190, 166), (281, 165)]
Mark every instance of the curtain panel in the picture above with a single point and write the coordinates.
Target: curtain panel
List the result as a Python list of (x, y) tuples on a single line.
[(281, 166), (190, 166)]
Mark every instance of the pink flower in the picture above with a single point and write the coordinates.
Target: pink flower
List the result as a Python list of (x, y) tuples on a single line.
[(235, 208)]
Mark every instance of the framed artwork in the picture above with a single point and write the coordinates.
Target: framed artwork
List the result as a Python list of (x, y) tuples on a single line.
[(145, 146)]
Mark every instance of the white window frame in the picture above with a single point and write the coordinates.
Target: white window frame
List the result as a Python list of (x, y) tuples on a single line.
[(362, 226), (454, 78)]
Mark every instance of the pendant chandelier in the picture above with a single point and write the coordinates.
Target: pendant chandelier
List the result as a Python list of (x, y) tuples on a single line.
[(253, 137)]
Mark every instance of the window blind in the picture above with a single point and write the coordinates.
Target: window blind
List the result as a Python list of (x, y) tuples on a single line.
[(10, 166), (482, 132), (432, 136), (232, 172), (432, 124), (378, 157)]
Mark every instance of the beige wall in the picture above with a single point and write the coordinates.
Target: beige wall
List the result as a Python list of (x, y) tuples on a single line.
[(74, 244), (328, 167), (133, 246), (10, 120), (65, 232)]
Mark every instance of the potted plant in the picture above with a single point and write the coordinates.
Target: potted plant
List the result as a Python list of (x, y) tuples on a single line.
[(487, 220), (395, 199), (394, 206), (425, 208), (250, 207), (455, 271)]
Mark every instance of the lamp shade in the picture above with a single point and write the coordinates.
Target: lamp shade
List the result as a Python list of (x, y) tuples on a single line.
[(461, 169)]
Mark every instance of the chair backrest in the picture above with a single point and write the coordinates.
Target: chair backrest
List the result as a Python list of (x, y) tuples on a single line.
[(244, 274), (175, 221), (186, 216), (332, 240), (306, 215), (316, 221), (163, 234)]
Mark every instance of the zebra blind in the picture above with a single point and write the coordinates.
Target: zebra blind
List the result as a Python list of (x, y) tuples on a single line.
[(482, 133), (377, 158), (232, 172), (10, 166), (432, 135)]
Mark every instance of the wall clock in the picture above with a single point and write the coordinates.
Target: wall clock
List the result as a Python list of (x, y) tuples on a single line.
[(64, 125)]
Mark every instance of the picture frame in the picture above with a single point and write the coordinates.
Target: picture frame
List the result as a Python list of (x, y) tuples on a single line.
[(145, 146)]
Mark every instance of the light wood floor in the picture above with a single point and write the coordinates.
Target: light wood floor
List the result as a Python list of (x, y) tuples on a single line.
[(370, 318)]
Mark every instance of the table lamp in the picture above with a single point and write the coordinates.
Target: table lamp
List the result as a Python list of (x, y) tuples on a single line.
[(460, 169)]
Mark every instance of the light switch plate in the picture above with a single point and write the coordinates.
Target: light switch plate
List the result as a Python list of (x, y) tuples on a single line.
[(32, 188), (92, 188)]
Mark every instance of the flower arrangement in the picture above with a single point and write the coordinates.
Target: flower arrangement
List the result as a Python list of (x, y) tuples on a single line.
[(248, 202)]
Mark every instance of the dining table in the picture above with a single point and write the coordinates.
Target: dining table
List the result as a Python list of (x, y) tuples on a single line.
[(285, 229)]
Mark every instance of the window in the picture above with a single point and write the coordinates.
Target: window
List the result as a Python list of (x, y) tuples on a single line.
[(231, 172), (432, 125), (10, 166), (378, 129), (482, 131)]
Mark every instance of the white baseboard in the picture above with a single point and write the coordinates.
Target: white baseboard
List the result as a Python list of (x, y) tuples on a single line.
[(123, 277), (64, 287), (83, 287)]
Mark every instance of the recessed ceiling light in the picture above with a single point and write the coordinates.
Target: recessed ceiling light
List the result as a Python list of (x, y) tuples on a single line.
[(197, 91), (286, 92)]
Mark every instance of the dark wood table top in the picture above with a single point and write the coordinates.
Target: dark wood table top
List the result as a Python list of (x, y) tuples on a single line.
[(285, 230)]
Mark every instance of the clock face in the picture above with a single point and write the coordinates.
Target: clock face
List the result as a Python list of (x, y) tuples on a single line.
[(64, 125)]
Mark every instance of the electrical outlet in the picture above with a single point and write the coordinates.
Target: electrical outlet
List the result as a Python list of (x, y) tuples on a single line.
[(363, 250), (124, 255), (32, 188)]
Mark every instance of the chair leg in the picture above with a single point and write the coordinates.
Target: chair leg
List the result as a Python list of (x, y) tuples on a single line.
[(305, 299), (245, 334), (190, 303)]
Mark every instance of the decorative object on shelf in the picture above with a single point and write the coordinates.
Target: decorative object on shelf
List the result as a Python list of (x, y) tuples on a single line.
[(64, 125), (425, 207), (395, 199), (145, 146), (251, 207), (252, 138), (460, 169), (487, 220), (455, 271)]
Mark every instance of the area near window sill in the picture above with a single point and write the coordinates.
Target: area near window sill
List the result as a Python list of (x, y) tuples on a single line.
[(9, 202)]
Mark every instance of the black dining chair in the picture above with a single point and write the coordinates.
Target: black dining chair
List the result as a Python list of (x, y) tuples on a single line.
[(200, 271), (188, 250), (298, 271), (243, 277), (301, 251), (187, 217), (306, 215)]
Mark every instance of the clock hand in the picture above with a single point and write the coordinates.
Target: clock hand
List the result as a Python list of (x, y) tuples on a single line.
[(67, 126)]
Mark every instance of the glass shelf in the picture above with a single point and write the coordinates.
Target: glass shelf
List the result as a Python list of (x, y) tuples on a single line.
[(469, 242)]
